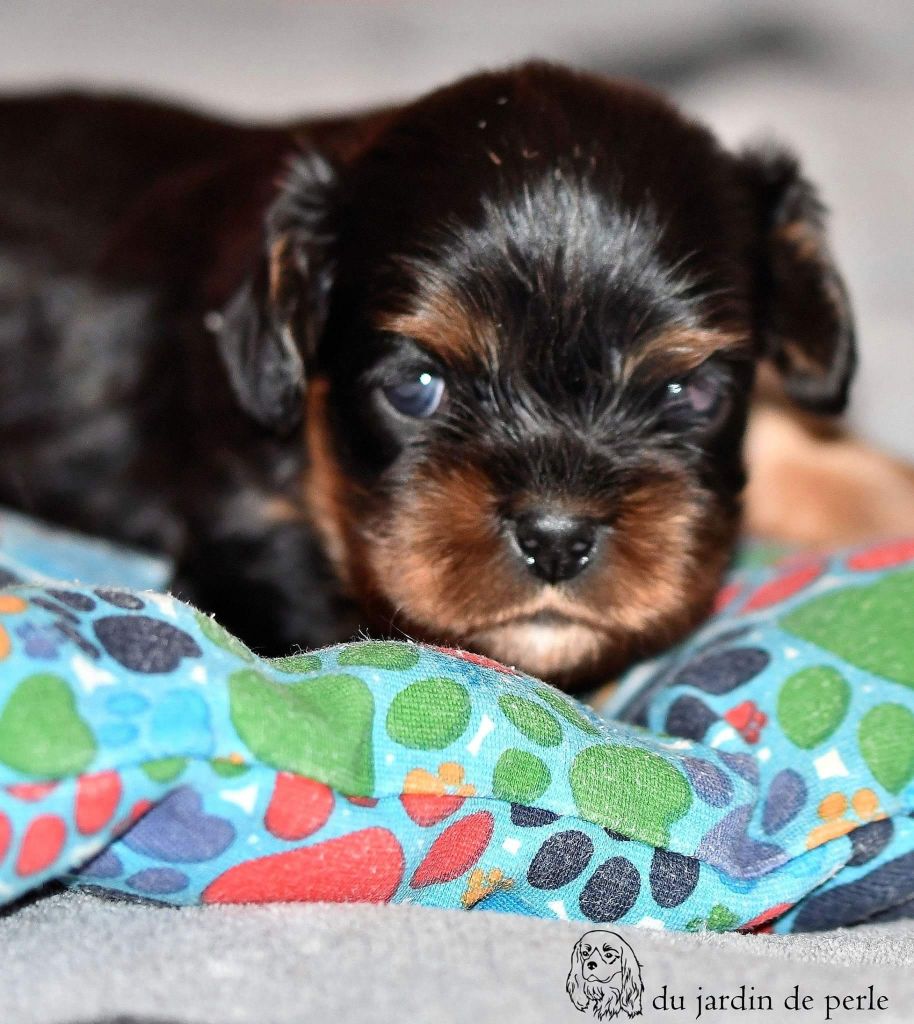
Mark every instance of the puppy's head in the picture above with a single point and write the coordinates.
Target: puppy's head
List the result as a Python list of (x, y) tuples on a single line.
[(605, 976), (528, 310)]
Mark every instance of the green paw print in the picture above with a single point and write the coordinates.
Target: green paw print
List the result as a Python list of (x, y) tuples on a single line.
[(868, 626), (631, 791), (317, 727), (720, 919), (41, 731)]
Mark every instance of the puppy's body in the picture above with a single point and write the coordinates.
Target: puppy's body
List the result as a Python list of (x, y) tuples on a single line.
[(521, 317), (122, 224)]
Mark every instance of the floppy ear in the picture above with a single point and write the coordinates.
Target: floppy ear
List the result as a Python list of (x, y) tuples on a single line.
[(632, 986), (270, 327), (574, 986), (802, 306)]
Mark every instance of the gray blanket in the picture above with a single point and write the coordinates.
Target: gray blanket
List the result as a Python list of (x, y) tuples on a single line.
[(76, 958)]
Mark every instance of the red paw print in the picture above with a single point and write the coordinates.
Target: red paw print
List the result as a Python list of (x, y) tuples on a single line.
[(748, 720)]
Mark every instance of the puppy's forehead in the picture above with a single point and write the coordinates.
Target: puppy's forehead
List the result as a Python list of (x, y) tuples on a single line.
[(598, 938), (501, 139), (546, 210), (553, 271), (527, 258)]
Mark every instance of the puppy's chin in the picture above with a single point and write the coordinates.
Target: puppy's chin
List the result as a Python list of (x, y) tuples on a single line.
[(556, 650)]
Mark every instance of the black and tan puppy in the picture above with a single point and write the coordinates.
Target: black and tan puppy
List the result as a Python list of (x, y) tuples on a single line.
[(477, 368)]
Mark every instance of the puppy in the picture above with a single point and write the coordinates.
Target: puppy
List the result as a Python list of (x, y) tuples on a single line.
[(605, 976), (476, 369)]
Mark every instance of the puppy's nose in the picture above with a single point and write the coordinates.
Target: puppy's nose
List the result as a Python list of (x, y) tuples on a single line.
[(555, 547)]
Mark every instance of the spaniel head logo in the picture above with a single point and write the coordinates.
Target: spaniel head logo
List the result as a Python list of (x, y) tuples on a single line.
[(605, 976)]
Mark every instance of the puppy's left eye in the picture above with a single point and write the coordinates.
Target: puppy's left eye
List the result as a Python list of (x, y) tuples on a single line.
[(698, 397), (417, 396)]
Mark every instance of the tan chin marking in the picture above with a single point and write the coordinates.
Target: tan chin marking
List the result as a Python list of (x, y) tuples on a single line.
[(544, 650)]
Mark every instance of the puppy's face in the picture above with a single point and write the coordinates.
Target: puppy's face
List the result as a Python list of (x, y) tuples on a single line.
[(534, 423), (600, 957), (529, 383)]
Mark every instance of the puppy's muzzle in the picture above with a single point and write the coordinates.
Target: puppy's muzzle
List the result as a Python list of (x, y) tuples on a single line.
[(553, 546), (599, 971)]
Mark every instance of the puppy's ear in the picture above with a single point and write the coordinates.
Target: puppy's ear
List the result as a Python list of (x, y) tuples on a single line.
[(802, 306), (574, 986), (632, 986), (269, 329)]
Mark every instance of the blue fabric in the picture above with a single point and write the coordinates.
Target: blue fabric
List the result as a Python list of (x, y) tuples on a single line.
[(765, 773)]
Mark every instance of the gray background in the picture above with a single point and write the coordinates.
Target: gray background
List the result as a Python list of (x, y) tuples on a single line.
[(835, 78)]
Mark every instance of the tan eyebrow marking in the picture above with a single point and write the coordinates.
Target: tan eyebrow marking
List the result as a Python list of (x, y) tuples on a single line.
[(681, 349), (441, 323)]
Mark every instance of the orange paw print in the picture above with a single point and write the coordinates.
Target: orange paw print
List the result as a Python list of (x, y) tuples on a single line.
[(9, 605), (833, 811), (481, 884), (448, 781)]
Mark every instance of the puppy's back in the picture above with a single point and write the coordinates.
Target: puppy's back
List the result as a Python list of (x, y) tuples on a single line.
[(86, 289)]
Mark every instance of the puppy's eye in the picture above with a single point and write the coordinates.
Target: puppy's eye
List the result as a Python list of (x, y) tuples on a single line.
[(698, 397), (417, 396), (698, 394)]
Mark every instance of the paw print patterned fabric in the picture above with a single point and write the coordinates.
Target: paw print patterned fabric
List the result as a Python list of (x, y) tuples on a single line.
[(764, 776)]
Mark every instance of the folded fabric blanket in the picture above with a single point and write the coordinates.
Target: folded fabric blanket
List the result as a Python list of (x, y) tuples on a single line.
[(767, 774)]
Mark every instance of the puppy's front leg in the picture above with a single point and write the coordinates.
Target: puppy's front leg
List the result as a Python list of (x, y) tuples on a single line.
[(273, 589), (820, 486)]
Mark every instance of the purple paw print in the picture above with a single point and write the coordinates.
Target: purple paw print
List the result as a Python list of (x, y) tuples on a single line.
[(179, 830), (40, 641)]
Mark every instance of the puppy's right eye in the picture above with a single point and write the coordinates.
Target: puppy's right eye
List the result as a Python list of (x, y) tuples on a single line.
[(417, 396)]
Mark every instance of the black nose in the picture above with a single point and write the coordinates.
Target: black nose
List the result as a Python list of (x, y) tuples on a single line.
[(555, 547)]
